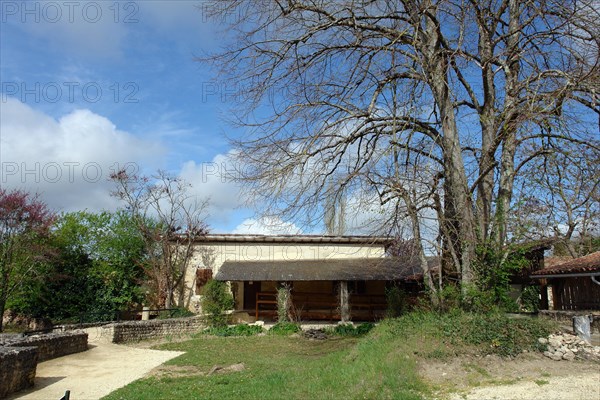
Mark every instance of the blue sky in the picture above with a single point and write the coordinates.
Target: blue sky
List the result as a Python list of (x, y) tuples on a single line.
[(89, 86)]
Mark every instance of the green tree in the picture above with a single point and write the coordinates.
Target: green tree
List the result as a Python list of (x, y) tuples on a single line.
[(216, 300), (25, 223), (97, 269)]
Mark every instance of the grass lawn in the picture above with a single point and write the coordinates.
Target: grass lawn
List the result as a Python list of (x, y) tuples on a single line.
[(281, 367), (380, 365)]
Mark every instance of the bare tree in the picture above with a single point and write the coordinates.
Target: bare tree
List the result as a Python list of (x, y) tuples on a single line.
[(563, 202), (430, 104), (170, 220)]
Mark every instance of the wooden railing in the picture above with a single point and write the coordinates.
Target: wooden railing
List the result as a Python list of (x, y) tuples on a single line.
[(266, 298), (320, 305)]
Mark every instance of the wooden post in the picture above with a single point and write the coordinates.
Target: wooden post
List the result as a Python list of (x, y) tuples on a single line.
[(544, 294), (344, 302)]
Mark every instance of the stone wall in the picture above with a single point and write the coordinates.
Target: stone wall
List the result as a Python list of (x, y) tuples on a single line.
[(53, 345), (566, 317), (17, 368), (134, 331)]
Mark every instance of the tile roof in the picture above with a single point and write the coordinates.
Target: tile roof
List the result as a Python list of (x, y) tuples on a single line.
[(582, 265)]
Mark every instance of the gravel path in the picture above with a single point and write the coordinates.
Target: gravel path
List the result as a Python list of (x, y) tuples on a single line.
[(585, 386), (94, 373)]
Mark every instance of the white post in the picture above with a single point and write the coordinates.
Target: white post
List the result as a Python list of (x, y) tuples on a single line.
[(344, 302), (145, 313), (550, 297)]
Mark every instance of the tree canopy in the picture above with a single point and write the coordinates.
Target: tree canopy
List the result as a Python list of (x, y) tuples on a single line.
[(432, 109)]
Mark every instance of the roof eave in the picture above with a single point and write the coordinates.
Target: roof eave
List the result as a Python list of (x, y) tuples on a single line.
[(566, 275)]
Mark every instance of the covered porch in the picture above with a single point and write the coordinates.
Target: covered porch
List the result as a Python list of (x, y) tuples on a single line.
[(330, 289)]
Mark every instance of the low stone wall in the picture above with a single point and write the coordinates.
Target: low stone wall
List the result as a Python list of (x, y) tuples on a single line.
[(566, 317), (17, 368), (52, 345), (134, 331)]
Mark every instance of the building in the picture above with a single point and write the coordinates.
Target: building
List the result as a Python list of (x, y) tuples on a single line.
[(571, 284), (329, 277)]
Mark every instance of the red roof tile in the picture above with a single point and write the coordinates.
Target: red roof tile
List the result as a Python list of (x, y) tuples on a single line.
[(585, 264)]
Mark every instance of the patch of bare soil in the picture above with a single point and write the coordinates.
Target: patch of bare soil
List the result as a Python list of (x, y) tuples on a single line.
[(493, 377), (178, 371)]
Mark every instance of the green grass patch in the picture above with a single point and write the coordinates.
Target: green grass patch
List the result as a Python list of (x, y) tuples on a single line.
[(381, 364), (284, 367), (236, 330)]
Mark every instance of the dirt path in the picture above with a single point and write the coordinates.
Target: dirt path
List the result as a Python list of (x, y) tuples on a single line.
[(579, 387), (526, 377), (94, 373)]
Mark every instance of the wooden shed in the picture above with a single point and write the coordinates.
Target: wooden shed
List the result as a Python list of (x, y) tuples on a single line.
[(571, 285)]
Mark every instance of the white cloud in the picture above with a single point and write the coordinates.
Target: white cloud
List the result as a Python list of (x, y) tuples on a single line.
[(68, 161), (214, 180), (267, 226)]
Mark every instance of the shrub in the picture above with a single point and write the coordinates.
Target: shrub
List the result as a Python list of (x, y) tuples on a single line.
[(216, 300), (350, 330), (285, 328), (364, 328), (530, 300), (396, 301), (493, 270), (283, 303), (345, 330), (497, 333), (179, 312), (490, 333)]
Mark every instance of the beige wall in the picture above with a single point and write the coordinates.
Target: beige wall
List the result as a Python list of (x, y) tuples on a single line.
[(212, 255), (277, 252)]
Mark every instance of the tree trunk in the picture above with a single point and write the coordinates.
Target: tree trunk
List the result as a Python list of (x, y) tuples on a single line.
[(2, 309), (458, 207), (509, 141), (418, 240)]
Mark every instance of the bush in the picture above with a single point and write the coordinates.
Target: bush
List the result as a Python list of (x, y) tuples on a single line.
[(493, 270), (283, 303), (530, 299), (216, 300), (500, 334), (179, 312), (490, 333), (364, 328), (396, 300), (350, 330), (236, 330), (285, 328)]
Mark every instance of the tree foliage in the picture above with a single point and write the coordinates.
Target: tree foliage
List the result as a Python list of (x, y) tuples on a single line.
[(25, 223), (96, 271), (216, 300)]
